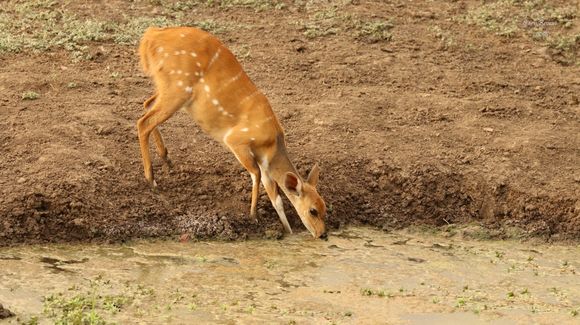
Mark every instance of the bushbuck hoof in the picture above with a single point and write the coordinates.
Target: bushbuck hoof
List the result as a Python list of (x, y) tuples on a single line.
[(153, 185), (167, 165)]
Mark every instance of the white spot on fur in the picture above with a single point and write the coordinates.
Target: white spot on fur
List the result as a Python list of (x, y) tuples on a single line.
[(206, 87), (182, 35), (202, 80), (180, 83), (172, 72), (245, 130), (160, 49), (193, 54), (196, 74), (187, 74), (215, 102), (188, 89), (179, 72), (252, 139), (182, 52), (198, 64)]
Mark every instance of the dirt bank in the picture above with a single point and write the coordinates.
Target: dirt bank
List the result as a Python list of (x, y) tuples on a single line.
[(437, 122)]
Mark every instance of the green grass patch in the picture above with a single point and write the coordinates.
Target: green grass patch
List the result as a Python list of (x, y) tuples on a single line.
[(186, 5), (333, 21), (42, 25), (373, 31), (93, 305), (539, 20)]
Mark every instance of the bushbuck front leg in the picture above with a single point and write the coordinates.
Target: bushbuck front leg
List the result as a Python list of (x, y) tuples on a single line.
[(276, 199), (163, 108), (246, 158), (159, 144)]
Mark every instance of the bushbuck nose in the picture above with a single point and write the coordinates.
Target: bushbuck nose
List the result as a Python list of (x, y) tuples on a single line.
[(324, 236)]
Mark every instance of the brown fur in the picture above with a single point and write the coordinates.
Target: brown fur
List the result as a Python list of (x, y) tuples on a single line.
[(193, 70)]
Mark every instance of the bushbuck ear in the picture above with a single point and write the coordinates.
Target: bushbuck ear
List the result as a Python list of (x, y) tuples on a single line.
[(313, 175), (293, 183)]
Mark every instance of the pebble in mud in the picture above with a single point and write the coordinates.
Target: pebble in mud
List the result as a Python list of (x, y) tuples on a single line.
[(5, 313)]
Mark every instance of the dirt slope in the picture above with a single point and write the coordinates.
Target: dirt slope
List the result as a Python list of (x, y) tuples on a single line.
[(408, 131)]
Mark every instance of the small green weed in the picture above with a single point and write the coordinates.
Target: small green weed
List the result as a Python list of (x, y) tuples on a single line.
[(30, 95)]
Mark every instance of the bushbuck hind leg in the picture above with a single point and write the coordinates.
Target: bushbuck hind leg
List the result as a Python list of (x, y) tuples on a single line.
[(162, 109), (276, 199), (159, 144), (245, 156)]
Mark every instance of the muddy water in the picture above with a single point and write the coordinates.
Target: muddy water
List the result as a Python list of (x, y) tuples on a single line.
[(358, 276)]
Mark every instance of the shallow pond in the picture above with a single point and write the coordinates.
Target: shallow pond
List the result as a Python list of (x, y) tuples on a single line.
[(358, 276)]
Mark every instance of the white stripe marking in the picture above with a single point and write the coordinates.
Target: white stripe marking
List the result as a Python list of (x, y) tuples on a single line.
[(250, 96), (231, 80), (214, 58), (227, 135)]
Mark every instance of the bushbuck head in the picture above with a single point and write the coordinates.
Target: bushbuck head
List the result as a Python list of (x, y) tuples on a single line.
[(307, 202)]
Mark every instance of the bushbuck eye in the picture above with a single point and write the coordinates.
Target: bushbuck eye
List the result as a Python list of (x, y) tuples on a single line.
[(314, 212)]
